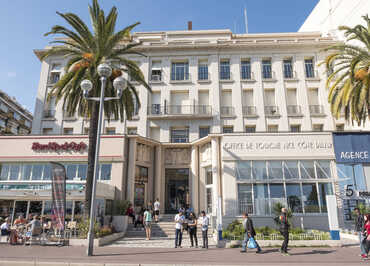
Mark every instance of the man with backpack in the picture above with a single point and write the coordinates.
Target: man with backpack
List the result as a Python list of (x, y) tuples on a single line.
[(250, 234)]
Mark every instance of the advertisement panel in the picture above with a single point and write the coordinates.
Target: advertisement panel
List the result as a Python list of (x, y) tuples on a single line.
[(58, 190)]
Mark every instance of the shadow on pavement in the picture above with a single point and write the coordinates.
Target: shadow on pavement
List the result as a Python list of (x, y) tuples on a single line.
[(313, 252), (152, 252)]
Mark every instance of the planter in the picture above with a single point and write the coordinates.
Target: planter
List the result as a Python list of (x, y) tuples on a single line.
[(292, 243), (120, 223), (97, 242)]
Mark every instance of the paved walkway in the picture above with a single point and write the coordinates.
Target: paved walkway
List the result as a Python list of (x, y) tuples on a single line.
[(104, 256)]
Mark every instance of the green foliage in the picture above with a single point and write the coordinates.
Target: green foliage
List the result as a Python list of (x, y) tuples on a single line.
[(120, 207), (83, 228), (276, 211), (364, 209), (104, 231), (234, 230)]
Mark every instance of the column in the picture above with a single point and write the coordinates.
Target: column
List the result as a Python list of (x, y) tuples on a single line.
[(194, 179), (131, 169), (215, 174), (158, 177)]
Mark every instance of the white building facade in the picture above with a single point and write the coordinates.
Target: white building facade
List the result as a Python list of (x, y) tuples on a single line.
[(234, 123)]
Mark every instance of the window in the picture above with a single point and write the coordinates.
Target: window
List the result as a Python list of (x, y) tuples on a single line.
[(156, 74), (110, 130), (318, 127), (272, 128), (275, 169), (203, 70), (37, 170), (82, 171), (86, 130), (209, 199), (4, 171), (261, 199), (71, 171), (307, 169), (228, 129), (295, 128), (259, 170), (245, 198), (225, 69), (325, 189), (54, 77), (310, 198), (309, 68), (291, 170), (244, 170), (291, 96), (277, 194), (339, 127), (3, 107), (180, 135), (250, 129), (132, 130), (266, 69), (47, 131), (246, 69), (203, 132), (2, 123), (106, 171), (26, 172), (288, 68), (68, 131), (209, 176), (323, 169), (180, 71), (294, 197), (14, 172), (47, 172), (17, 116)]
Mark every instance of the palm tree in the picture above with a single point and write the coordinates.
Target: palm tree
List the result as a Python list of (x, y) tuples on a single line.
[(349, 80), (85, 50)]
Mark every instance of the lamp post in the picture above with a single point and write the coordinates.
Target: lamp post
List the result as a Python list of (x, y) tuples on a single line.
[(104, 72)]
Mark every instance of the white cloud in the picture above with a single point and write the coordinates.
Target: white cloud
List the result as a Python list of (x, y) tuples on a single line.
[(11, 74)]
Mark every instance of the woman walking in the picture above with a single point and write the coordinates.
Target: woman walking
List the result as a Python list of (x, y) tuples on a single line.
[(148, 223), (366, 232), (192, 227)]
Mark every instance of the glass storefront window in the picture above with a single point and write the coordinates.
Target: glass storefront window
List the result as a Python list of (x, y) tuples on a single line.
[(275, 169), (69, 206), (47, 208), (35, 208), (291, 169), (325, 189), (310, 198), (71, 171), (82, 171), (37, 171), (245, 198), (14, 172), (106, 169), (259, 170), (4, 171), (6, 208), (47, 172), (244, 170), (323, 169), (209, 200), (307, 169), (21, 208), (209, 176), (26, 172), (294, 198), (261, 199), (277, 194)]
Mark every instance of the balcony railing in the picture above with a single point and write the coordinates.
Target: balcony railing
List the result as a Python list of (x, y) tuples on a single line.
[(290, 75), (247, 76), (48, 114), (204, 76), (176, 110), (249, 111), (226, 76), (294, 110), (156, 78), (227, 111), (312, 75), (180, 78), (269, 76), (271, 110), (316, 110), (176, 139)]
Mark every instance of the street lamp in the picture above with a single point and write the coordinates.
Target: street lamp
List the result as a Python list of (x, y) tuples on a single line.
[(104, 72)]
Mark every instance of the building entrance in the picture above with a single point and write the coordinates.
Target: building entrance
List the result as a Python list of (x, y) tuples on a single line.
[(177, 189)]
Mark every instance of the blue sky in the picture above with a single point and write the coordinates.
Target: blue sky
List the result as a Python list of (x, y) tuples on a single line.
[(23, 23)]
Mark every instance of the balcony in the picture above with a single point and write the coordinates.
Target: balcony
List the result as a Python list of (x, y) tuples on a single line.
[(157, 111), (156, 79), (272, 111), (247, 77), (312, 75), (226, 77), (227, 111), (294, 110), (317, 110), (204, 77), (180, 78), (290, 75), (250, 111), (269, 76), (69, 117), (48, 114)]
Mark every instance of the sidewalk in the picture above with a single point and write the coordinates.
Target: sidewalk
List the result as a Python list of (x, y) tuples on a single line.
[(109, 256)]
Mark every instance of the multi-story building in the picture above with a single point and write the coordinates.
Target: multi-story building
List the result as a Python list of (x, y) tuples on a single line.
[(14, 119), (234, 123)]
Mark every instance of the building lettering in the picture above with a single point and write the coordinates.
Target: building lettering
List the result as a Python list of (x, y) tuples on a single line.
[(280, 145), (354, 155)]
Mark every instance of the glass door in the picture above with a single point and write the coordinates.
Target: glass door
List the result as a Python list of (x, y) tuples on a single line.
[(177, 190)]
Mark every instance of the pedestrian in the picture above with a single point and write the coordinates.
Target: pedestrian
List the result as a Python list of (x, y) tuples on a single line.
[(359, 228), (150, 208), (157, 206), (205, 224), (148, 223), (192, 229), (179, 220), (284, 230), (366, 236), (130, 213), (249, 233)]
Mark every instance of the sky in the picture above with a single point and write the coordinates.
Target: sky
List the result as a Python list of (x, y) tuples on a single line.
[(24, 22)]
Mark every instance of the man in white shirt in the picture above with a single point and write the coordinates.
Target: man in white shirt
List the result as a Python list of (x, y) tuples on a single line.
[(179, 219), (205, 224), (157, 206)]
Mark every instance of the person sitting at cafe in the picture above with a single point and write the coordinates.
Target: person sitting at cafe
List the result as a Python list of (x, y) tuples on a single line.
[(35, 227), (20, 220), (5, 228)]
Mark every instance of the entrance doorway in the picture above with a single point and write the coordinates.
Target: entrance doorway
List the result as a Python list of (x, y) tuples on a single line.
[(177, 189)]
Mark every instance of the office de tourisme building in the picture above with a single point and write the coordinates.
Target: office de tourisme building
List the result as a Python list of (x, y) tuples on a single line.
[(242, 118)]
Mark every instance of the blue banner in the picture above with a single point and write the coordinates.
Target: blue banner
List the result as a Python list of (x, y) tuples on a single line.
[(352, 147)]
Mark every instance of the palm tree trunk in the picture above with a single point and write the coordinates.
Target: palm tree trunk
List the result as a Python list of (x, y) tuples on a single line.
[(93, 131)]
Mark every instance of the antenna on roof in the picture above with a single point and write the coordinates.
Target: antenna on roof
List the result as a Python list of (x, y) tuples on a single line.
[(245, 18)]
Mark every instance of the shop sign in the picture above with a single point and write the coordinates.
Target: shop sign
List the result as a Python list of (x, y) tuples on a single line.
[(65, 147), (352, 147), (351, 193)]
